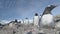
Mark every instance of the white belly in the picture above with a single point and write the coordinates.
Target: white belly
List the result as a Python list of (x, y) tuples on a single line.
[(36, 20), (47, 19)]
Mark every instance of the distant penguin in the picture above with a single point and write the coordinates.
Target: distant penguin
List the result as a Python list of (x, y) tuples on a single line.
[(47, 17), (36, 19), (26, 21)]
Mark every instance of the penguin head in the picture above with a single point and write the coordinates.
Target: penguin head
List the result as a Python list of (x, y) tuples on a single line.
[(36, 14), (26, 18), (50, 7)]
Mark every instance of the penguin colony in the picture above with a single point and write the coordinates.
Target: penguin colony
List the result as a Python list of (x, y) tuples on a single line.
[(45, 20)]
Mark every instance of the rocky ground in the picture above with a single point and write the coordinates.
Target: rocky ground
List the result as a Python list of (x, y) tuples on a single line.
[(28, 29)]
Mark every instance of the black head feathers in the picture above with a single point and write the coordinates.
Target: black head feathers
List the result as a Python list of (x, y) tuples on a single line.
[(48, 9)]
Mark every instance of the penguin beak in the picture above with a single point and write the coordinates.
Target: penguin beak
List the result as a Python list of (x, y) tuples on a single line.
[(53, 6)]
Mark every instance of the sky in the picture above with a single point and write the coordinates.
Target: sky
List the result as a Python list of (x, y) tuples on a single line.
[(20, 9)]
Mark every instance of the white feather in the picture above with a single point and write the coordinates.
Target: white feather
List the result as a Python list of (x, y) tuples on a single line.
[(36, 20), (47, 19)]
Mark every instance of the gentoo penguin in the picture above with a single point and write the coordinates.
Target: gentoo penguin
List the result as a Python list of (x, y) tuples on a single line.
[(47, 17), (36, 19), (26, 21)]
